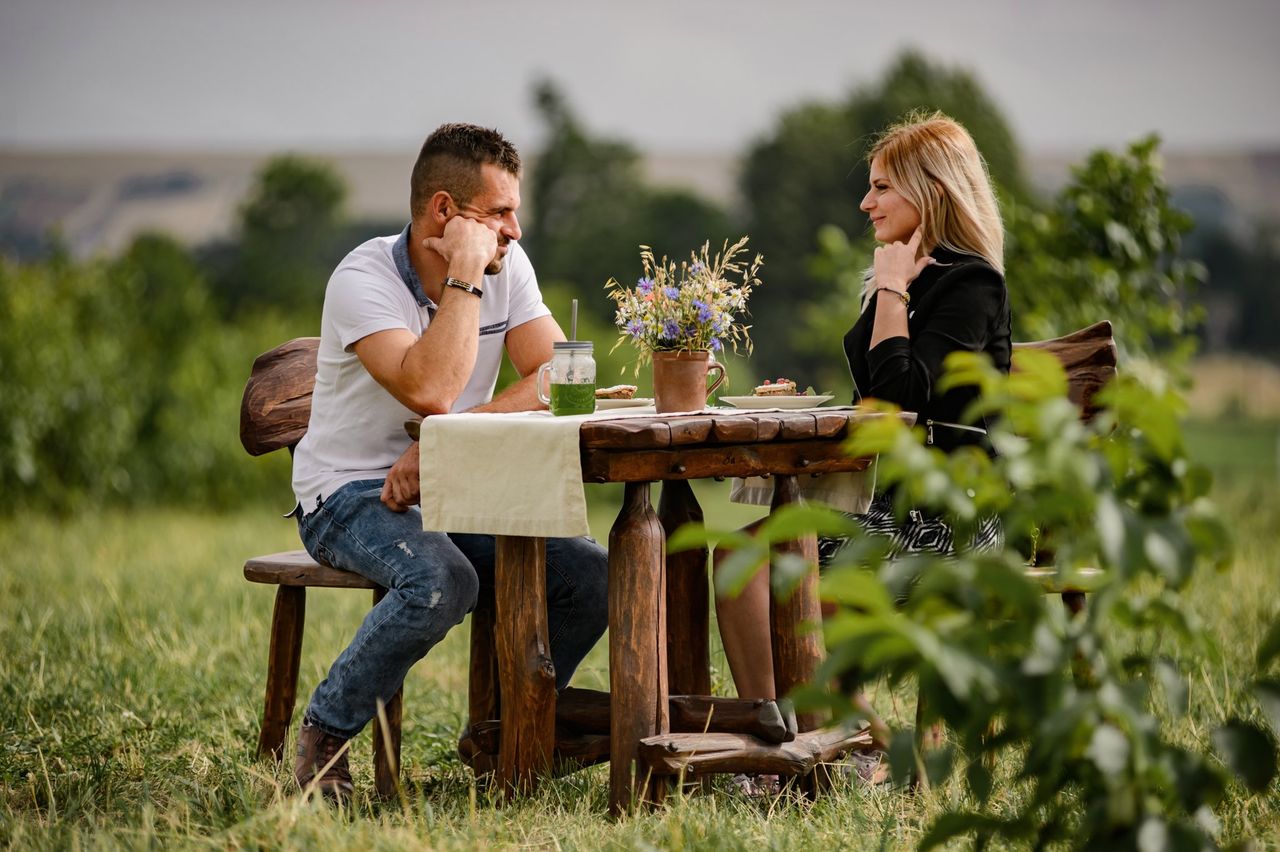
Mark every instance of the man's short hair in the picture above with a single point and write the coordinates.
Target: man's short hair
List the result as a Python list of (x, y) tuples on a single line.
[(450, 160)]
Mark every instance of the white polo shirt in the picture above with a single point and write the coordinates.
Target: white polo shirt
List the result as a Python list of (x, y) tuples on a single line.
[(357, 426)]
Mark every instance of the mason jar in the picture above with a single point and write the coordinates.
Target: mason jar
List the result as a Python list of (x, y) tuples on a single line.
[(571, 372)]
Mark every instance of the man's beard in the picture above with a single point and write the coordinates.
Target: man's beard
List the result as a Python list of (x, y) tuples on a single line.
[(495, 265)]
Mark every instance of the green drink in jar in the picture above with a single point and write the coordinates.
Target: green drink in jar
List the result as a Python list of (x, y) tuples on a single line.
[(572, 378)]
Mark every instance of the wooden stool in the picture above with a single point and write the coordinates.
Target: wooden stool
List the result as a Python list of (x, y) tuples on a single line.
[(293, 572)]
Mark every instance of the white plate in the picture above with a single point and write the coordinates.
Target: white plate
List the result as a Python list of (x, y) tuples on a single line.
[(802, 401), (606, 404)]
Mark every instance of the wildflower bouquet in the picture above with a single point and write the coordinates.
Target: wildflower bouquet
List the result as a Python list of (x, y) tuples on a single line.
[(698, 305)]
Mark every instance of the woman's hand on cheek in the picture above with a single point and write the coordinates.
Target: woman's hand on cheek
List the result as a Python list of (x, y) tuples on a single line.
[(896, 264)]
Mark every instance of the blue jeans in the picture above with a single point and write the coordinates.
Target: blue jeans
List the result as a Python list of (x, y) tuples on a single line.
[(432, 581)]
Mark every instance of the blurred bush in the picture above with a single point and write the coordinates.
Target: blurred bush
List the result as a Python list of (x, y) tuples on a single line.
[(123, 385)]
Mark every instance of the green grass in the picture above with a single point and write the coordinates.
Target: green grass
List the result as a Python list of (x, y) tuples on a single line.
[(132, 656), (1235, 448)]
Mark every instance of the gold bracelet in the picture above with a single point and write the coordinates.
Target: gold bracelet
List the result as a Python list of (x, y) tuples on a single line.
[(901, 294)]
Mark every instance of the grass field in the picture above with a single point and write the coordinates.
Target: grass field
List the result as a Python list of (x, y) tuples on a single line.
[(132, 656)]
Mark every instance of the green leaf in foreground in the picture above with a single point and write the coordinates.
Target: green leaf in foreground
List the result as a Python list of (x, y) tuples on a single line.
[(955, 824), (1268, 693), (1247, 751), (1270, 647)]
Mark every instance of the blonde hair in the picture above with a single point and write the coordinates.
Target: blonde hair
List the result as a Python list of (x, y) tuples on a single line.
[(932, 162)]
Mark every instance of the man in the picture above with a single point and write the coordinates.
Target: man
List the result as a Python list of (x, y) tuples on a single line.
[(417, 325)]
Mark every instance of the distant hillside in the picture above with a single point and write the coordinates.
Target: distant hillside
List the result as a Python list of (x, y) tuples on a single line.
[(100, 200)]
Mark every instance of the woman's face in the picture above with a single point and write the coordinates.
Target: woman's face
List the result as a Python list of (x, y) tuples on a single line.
[(894, 218)]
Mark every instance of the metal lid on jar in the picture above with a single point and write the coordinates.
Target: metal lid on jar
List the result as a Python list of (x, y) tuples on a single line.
[(572, 345)]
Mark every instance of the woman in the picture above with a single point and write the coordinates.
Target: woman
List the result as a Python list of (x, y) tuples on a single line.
[(936, 287)]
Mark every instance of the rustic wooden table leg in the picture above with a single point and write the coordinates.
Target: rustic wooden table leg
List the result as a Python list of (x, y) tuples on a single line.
[(798, 651), (526, 673), (287, 621), (637, 644), (386, 744), (483, 695), (688, 601)]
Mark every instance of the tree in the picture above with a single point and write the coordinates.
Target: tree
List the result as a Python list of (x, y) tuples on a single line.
[(811, 171), (1108, 246), (287, 238), (590, 208)]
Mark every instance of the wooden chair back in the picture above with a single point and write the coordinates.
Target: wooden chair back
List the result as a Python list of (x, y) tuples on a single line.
[(276, 407), (1088, 356)]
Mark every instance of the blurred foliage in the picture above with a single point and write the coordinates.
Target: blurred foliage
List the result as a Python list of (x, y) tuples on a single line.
[(1242, 293), (1080, 706), (590, 208), (123, 385), (287, 239), (1108, 246), (811, 171)]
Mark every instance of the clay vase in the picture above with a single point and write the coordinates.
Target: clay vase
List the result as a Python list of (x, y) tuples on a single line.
[(680, 380)]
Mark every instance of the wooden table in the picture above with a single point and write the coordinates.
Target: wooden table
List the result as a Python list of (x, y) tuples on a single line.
[(658, 607)]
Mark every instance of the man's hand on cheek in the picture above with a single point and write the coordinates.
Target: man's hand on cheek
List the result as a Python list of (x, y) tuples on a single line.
[(465, 240)]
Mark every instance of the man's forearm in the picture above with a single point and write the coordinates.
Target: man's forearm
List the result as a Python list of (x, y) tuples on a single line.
[(445, 356), (518, 396)]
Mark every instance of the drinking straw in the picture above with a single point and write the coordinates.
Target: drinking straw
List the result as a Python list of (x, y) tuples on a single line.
[(573, 321)]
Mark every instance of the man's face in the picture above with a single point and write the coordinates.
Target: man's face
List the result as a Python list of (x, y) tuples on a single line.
[(495, 206)]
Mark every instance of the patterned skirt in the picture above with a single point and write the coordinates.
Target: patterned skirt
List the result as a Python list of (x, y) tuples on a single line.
[(917, 533)]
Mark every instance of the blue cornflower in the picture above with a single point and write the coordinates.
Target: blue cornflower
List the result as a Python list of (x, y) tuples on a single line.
[(670, 330), (671, 292), (716, 345), (635, 328), (696, 268), (704, 311), (645, 286)]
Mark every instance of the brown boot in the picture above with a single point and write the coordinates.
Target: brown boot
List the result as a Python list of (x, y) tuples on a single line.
[(325, 755)]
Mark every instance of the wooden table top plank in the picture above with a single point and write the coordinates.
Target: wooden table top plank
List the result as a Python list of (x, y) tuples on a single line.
[(777, 457), (626, 433), (769, 426), (832, 424), (715, 428), (690, 430), (801, 426), (735, 430)]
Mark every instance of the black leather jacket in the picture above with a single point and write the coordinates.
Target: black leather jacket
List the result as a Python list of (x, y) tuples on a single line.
[(959, 303)]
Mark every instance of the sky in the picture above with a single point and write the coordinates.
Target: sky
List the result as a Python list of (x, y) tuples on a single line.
[(667, 75)]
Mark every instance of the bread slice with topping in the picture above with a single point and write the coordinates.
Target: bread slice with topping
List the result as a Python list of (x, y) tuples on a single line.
[(616, 392), (782, 387)]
